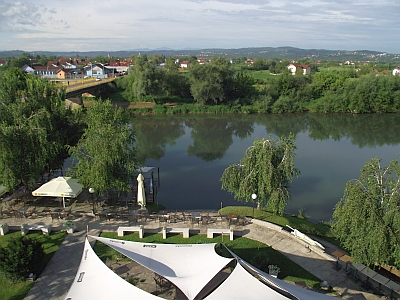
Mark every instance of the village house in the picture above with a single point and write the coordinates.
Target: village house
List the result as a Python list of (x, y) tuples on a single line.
[(95, 70), (184, 64), (202, 61), (68, 73), (48, 71), (294, 67), (396, 71)]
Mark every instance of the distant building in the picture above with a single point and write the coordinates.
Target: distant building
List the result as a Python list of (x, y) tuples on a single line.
[(202, 61), (396, 71), (294, 67), (184, 64), (49, 71)]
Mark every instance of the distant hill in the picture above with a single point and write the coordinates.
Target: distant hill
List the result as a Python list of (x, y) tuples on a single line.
[(290, 53)]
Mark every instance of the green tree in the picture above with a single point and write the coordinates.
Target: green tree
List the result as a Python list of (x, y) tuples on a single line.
[(105, 158), (367, 218), (21, 257), (148, 79), (19, 62), (175, 83), (34, 128), (211, 83), (267, 169)]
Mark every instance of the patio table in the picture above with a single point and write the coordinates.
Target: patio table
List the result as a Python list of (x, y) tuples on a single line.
[(196, 217), (23, 210), (58, 211), (346, 259)]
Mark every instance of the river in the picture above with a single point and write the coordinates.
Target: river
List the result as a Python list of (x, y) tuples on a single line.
[(192, 151)]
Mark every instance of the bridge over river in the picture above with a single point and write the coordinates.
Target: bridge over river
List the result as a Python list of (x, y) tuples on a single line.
[(76, 88)]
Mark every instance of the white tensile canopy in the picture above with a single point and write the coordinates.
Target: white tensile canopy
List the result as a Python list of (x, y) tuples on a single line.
[(294, 291), (242, 285), (189, 267), (94, 280), (3, 189), (60, 187)]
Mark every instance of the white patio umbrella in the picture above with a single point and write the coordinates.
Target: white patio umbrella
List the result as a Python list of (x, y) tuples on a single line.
[(60, 187), (141, 196)]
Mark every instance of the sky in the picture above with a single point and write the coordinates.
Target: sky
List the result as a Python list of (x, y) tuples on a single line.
[(76, 25)]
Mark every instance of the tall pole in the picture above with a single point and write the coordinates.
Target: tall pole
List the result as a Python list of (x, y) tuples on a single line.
[(91, 190), (254, 197)]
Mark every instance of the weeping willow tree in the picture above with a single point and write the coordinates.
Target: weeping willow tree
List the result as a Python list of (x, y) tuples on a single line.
[(267, 169), (367, 218), (34, 128)]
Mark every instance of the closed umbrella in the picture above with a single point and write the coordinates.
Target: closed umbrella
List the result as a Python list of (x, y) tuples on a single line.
[(141, 196)]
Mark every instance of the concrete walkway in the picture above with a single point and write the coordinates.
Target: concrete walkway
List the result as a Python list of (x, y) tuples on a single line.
[(58, 275)]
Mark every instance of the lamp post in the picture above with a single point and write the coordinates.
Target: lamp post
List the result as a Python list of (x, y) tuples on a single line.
[(254, 197), (91, 190)]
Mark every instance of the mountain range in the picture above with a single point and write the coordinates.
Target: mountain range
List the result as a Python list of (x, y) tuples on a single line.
[(290, 53)]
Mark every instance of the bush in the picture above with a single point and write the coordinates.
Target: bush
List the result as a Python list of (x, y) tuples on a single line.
[(261, 261), (21, 257)]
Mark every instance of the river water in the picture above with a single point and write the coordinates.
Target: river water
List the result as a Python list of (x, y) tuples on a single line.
[(193, 151)]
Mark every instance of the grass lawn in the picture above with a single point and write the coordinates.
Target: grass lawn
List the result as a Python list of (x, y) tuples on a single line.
[(298, 222), (254, 252), (261, 75), (10, 289)]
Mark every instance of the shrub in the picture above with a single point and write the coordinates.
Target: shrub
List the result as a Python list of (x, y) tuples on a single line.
[(21, 257), (262, 261)]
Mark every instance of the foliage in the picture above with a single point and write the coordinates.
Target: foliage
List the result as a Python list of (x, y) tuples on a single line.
[(367, 218), (267, 170), (333, 89), (147, 79), (33, 117), (21, 257), (11, 287), (210, 82), (105, 157)]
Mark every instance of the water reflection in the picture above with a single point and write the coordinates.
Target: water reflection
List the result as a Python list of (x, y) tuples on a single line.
[(193, 151)]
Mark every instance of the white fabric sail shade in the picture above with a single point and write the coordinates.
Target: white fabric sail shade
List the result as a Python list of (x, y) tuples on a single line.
[(189, 267), (60, 187), (94, 280)]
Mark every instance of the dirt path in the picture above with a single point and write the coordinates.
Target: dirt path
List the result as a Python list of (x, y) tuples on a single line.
[(87, 103)]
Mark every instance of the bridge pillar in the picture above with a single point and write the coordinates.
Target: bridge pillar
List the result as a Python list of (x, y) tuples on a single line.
[(74, 102)]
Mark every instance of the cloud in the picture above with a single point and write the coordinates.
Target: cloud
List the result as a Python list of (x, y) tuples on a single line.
[(122, 25)]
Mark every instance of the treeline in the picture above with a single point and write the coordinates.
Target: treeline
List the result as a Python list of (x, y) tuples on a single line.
[(230, 85)]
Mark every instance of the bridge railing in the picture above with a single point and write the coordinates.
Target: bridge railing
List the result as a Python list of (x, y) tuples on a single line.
[(79, 85)]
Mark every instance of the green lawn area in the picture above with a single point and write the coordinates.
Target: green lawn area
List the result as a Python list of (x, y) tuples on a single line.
[(260, 75), (10, 289), (254, 252), (299, 222)]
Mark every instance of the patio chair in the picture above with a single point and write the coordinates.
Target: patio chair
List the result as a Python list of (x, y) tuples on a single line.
[(172, 217), (152, 217), (132, 220)]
